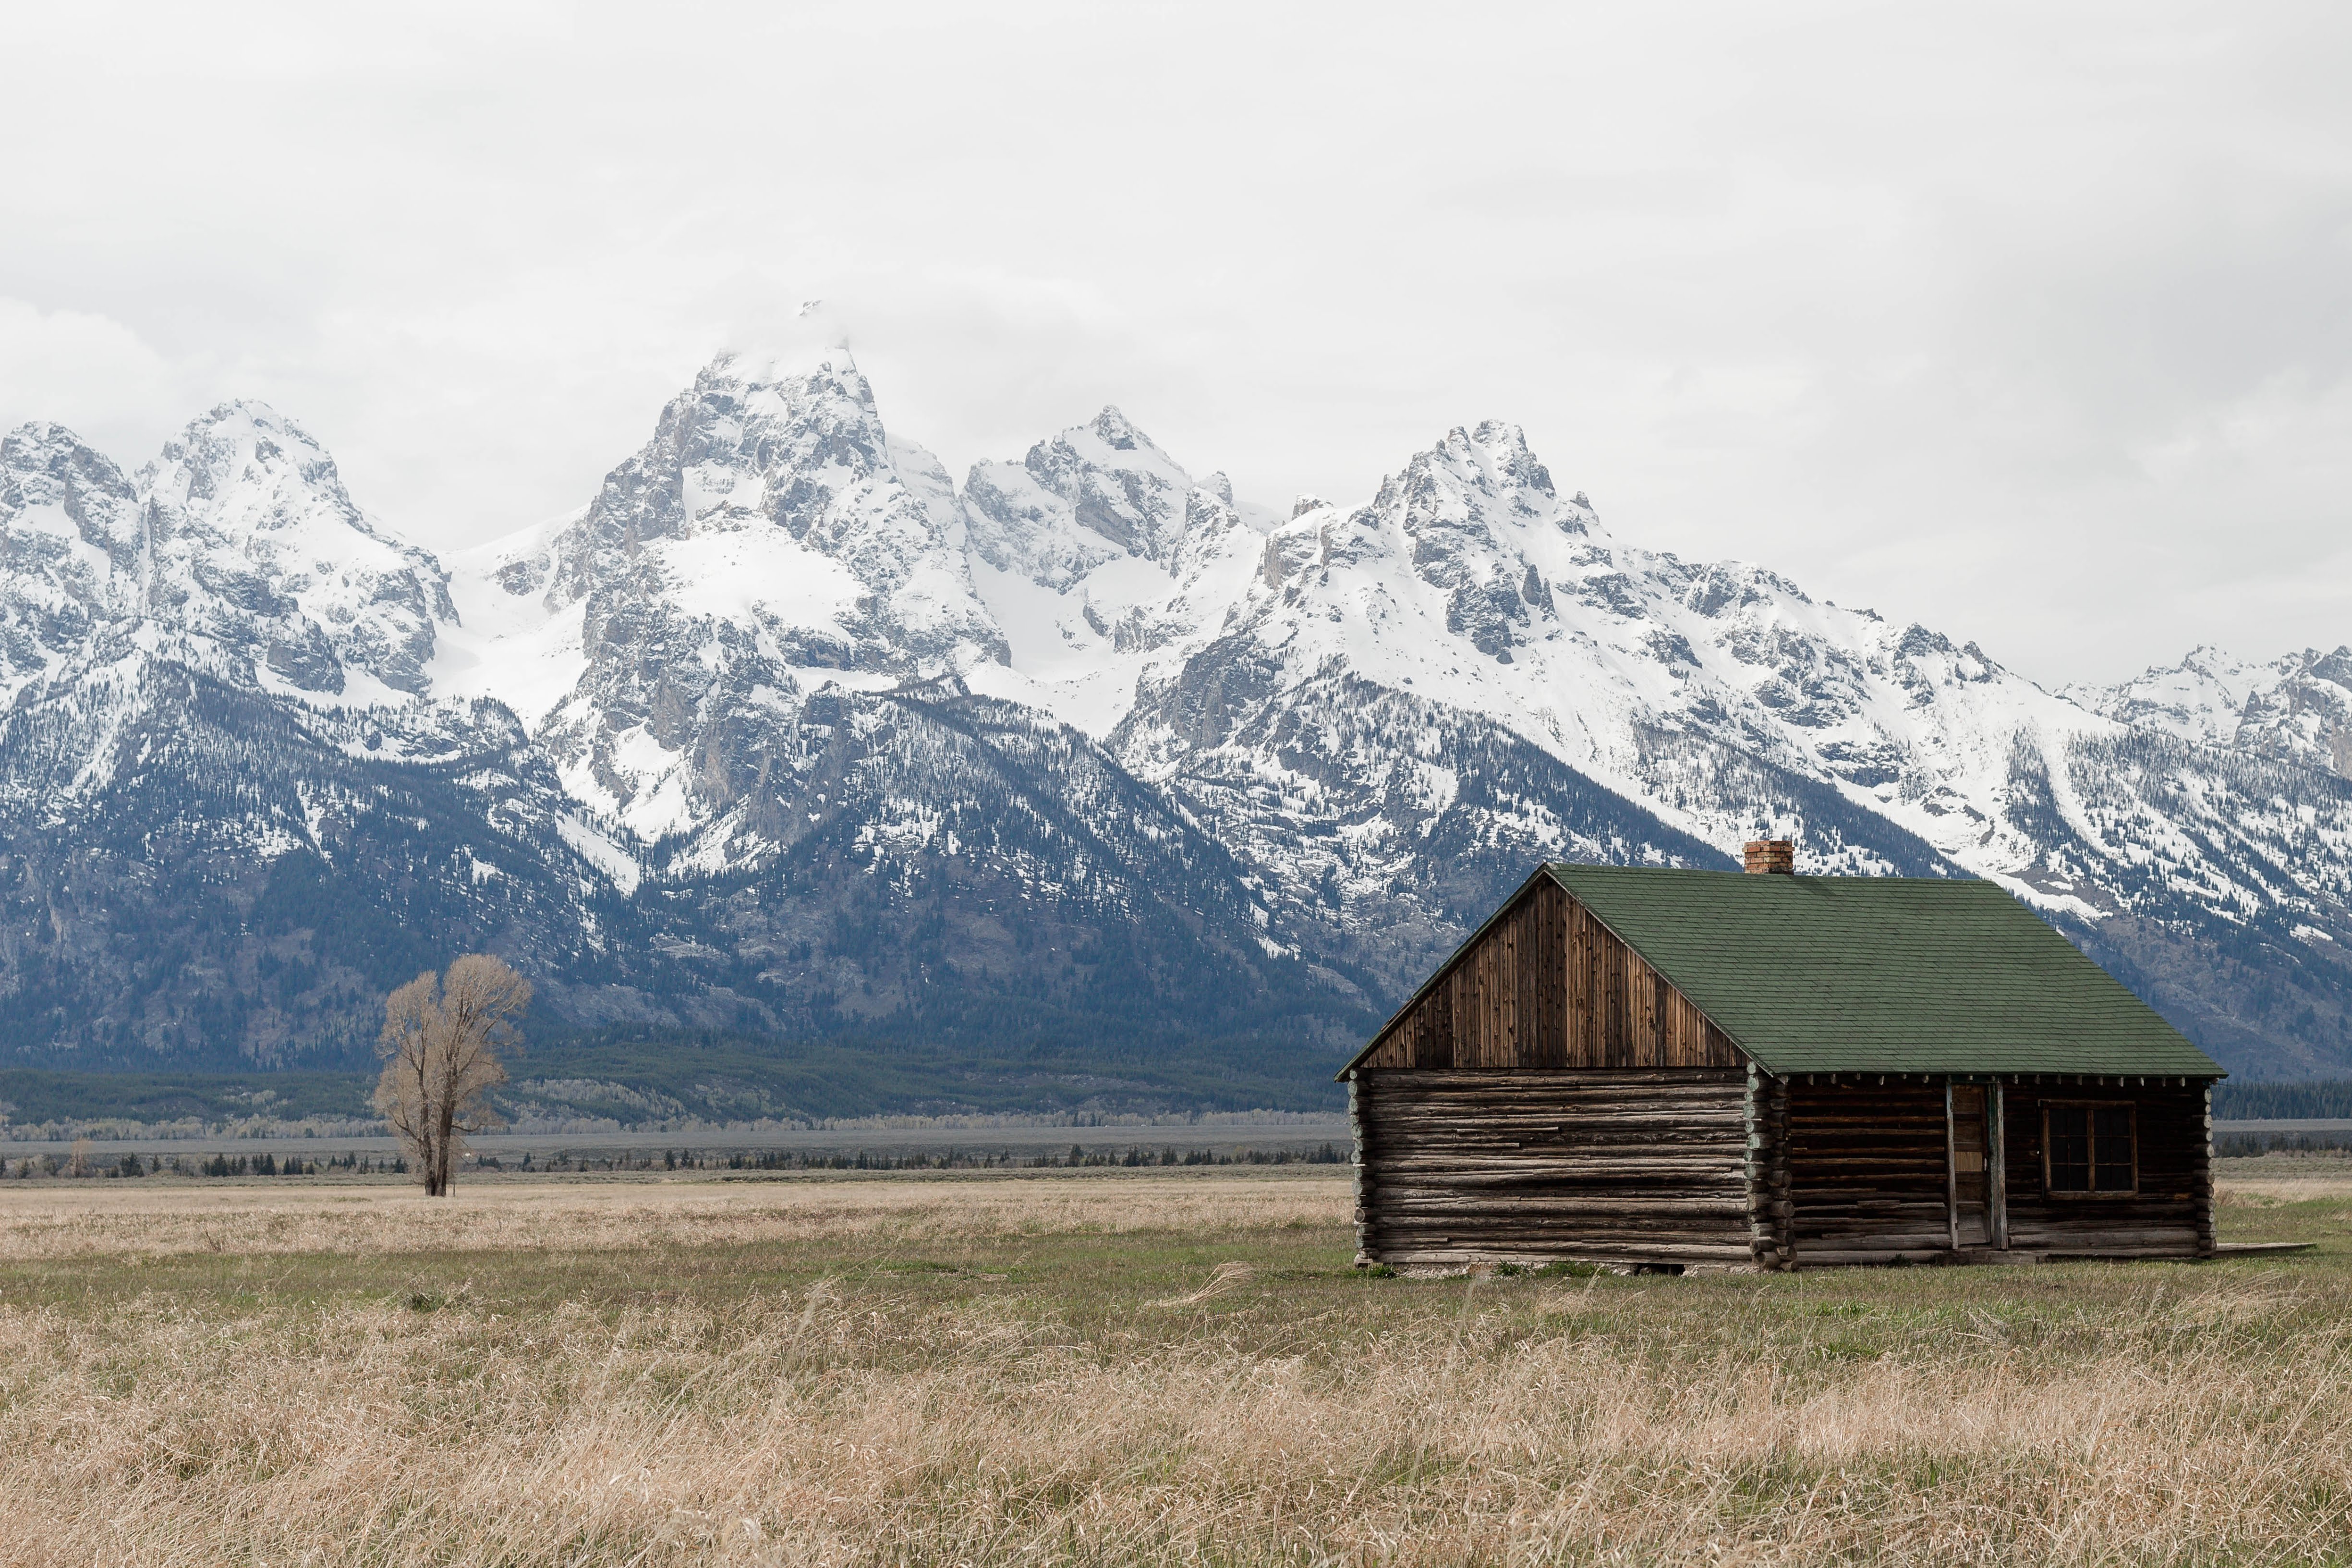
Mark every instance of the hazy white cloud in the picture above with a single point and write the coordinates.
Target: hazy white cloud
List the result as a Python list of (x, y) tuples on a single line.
[(2031, 322), (87, 371)]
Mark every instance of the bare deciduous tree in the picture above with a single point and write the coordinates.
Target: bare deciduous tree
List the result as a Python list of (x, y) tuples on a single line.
[(441, 1041)]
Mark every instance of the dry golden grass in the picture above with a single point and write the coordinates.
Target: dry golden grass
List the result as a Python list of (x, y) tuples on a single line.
[(1110, 1370)]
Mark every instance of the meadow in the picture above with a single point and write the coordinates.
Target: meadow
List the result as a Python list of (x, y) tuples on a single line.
[(1118, 1366)]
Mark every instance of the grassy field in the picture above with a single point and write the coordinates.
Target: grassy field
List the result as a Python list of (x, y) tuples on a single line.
[(1117, 1367)]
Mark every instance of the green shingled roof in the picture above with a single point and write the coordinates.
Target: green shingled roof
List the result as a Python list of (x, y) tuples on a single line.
[(1882, 974)]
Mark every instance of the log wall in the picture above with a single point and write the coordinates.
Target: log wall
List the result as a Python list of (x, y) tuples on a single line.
[(2172, 1214), (1867, 1174), (1547, 986), (1549, 1096), (1633, 1166), (1771, 1208)]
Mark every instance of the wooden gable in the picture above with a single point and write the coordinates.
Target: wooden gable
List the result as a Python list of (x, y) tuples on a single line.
[(1546, 984)]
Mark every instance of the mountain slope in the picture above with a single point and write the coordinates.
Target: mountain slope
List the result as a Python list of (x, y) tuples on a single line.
[(785, 732)]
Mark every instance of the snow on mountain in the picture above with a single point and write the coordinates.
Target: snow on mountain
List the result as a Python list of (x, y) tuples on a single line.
[(1471, 584), (69, 548), (2298, 705), (252, 539), (771, 538), (1343, 721), (1096, 553), (785, 728)]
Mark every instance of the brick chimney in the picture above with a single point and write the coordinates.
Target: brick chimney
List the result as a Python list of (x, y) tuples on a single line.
[(1771, 858)]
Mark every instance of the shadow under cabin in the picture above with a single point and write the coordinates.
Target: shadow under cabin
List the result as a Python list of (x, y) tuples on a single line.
[(1670, 1069)]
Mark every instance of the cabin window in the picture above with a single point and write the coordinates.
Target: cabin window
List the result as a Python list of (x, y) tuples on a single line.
[(2090, 1150)]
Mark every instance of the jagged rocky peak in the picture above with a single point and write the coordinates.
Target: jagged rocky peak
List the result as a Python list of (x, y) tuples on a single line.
[(1475, 516), (2297, 707), (252, 539), (47, 467), (790, 452), (1473, 478), (1094, 493), (69, 546), (2197, 698), (769, 538), (244, 466)]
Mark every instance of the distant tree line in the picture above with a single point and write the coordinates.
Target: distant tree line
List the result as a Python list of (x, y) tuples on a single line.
[(220, 1164), (2230, 1145), (1078, 1157), (2327, 1097)]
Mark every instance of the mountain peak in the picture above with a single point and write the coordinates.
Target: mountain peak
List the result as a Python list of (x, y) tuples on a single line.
[(814, 345), (1114, 430), (256, 543), (246, 467), (43, 464), (1093, 494), (69, 546)]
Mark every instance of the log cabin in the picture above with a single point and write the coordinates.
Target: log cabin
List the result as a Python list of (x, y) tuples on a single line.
[(1666, 1069)]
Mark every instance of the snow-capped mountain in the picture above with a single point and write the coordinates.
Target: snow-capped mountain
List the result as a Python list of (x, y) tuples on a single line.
[(2297, 708), (249, 539), (786, 731), (70, 548)]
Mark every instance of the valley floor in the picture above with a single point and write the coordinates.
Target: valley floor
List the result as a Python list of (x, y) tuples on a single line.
[(1116, 1366)]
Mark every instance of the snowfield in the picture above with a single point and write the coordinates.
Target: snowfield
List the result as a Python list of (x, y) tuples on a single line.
[(781, 624)]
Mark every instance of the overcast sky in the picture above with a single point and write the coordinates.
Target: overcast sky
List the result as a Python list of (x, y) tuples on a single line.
[(2031, 323)]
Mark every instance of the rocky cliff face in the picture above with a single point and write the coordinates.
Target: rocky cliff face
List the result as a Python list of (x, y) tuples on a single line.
[(784, 730), (2297, 708), (71, 548)]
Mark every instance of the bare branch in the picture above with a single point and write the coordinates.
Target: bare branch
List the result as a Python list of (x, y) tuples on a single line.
[(440, 1043)]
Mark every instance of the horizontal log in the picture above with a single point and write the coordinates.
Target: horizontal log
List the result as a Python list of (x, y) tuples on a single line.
[(1808, 1241), (1456, 1156), (1435, 1157), (1387, 1150), (2156, 1235), (1596, 1077), (1702, 1102), (1564, 1122), (1443, 1220), (1388, 1247), (1553, 1089), (1596, 1254), (1567, 1121), (1492, 1090), (1555, 1228), (1567, 1206)]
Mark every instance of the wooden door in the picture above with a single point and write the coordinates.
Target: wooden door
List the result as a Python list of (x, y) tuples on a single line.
[(1972, 1196)]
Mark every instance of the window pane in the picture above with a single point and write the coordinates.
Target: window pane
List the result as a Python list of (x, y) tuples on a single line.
[(2070, 1148), (2111, 1137)]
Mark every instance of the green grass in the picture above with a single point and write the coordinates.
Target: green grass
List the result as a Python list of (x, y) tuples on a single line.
[(1096, 1285)]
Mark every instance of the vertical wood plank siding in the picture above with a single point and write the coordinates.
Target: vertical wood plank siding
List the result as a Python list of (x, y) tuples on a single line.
[(1616, 1167), (1549, 987)]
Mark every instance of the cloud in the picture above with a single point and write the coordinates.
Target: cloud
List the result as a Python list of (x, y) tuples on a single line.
[(2030, 324), (89, 373)]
